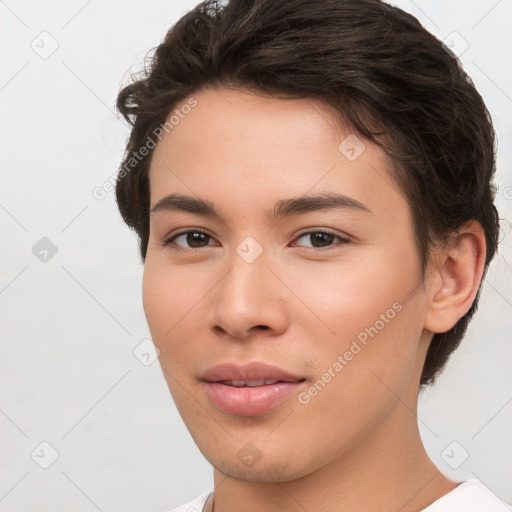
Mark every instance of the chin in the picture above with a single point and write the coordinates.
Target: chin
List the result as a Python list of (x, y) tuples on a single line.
[(267, 465)]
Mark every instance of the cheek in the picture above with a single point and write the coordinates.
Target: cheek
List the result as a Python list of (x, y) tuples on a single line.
[(360, 371), (159, 300), (369, 313), (169, 295), (345, 297)]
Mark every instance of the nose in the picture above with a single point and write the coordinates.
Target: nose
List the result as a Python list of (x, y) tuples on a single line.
[(250, 300)]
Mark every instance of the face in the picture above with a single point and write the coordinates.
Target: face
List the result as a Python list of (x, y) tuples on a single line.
[(322, 295)]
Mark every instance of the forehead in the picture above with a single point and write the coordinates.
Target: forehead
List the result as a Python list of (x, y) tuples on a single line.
[(238, 145), (240, 115)]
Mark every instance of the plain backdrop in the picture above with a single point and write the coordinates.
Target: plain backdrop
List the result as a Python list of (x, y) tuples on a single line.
[(76, 395)]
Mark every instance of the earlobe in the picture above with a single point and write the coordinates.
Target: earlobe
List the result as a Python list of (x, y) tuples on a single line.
[(455, 279)]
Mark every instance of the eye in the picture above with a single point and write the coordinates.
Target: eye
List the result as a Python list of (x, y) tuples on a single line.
[(195, 238), (322, 240)]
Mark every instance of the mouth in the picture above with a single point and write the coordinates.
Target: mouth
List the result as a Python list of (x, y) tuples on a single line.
[(249, 390), (253, 383)]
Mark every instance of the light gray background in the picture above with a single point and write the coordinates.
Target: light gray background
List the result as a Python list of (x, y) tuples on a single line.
[(70, 325)]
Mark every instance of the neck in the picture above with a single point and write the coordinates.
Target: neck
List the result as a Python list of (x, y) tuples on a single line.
[(388, 471)]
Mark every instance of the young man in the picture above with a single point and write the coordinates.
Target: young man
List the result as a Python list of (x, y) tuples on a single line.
[(310, 181)]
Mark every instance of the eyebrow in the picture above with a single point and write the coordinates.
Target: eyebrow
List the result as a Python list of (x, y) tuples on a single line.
[(282, 208)]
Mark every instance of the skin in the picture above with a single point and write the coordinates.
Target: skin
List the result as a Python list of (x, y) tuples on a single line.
[(356, 445)]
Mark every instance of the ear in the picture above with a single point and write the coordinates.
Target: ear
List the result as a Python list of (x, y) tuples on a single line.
[(455, 278)]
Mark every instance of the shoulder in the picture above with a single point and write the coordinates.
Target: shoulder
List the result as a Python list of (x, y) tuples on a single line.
[(469, 496), (195, 505)]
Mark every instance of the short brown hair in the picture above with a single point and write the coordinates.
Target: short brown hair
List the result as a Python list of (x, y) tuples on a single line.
[(375, 66)]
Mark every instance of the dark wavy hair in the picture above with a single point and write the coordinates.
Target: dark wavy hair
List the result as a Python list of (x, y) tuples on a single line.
[(377, 68)]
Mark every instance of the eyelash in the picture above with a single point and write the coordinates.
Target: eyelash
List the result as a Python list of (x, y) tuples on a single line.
[(169, 241)]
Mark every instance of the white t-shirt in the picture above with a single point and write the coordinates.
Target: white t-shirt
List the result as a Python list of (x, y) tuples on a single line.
[(469, 496)]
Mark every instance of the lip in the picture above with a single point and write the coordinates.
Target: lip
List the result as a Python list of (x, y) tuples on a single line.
[(249, 401), (250, 371)]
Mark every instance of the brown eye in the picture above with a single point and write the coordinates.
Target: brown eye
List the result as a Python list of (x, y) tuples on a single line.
[(322, 239), (192, 239)]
